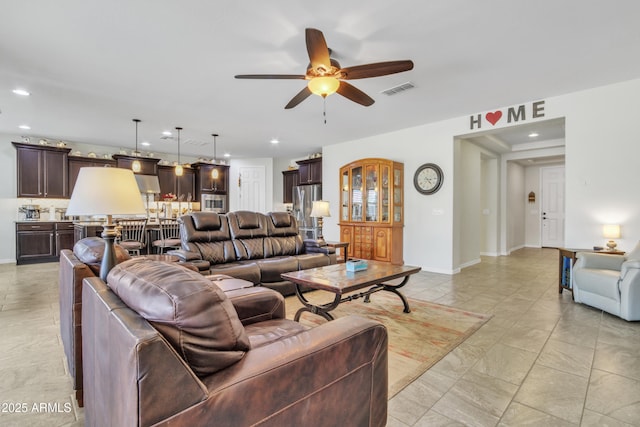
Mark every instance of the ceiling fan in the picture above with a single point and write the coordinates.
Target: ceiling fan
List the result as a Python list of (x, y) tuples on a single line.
[(326, 76)]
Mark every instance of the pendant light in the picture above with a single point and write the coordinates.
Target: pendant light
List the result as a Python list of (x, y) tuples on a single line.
[(179, 170), (136, 167), (214, 172)]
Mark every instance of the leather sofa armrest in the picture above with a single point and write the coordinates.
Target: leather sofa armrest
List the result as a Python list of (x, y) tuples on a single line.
[(599, 261), (185, 255), (257, 304), (627, 266), (304, 388), (314, 246)]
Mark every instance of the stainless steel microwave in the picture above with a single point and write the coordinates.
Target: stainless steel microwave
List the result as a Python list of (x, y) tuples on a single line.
[(213, 203)]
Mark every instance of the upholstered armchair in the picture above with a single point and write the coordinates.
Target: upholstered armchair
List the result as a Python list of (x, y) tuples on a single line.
[(609, 282)]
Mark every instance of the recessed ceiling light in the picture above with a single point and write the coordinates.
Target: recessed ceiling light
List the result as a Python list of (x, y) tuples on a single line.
[(145, 143), (25, 127), (274, 141), (533, 134), (21, 92), (166, 133), (227, 155)]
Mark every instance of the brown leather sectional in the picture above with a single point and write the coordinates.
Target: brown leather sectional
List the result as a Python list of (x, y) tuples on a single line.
[(251, 246), (163, 345)]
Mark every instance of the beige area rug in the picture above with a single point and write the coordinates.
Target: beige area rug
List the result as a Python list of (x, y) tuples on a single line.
[(417, 340)]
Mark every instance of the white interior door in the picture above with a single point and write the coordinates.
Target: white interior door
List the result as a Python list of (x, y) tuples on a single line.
[(253, 188), (552, 205)]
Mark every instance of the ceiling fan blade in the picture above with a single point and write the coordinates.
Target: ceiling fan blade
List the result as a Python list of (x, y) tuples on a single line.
[(301, 96), (317, 49), (353, 93), (271, 76), (376, 70)]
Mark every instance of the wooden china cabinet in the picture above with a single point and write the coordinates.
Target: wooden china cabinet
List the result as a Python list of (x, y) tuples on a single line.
[(371, 209)]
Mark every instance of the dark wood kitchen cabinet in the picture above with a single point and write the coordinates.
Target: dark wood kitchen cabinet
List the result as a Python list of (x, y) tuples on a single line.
[(148, 165), (206, 184), (42, 241), (42, 171), (289, 180), (310, 171), (76, 163), (184, 185)]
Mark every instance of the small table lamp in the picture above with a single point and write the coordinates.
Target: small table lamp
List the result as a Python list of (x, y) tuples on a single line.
[(148, 185), (611, 231), (320, 209), (106, 191)]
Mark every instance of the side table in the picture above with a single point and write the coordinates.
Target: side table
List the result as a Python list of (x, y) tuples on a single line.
[(343, 255), (567, 257)]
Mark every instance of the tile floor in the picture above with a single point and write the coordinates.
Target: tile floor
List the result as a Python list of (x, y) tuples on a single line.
[(541, 360)]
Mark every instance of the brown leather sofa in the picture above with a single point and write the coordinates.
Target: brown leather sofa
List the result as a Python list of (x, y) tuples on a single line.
[(165, 346), (250, 245), (84, 261)]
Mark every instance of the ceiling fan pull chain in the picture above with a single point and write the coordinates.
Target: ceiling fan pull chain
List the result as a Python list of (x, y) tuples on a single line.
[(324, 109)]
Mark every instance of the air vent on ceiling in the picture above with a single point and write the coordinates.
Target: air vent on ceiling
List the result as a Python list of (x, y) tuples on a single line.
[(397, 89), (195, 142)]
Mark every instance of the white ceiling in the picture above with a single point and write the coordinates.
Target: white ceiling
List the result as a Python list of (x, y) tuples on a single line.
[(92, 66)]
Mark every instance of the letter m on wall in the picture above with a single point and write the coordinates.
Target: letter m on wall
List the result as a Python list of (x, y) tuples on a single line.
[(514, 115)]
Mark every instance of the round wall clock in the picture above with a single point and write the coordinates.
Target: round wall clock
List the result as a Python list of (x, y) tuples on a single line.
[(428, 178)]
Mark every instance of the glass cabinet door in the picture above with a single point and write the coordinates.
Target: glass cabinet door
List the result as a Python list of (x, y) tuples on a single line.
[(344, 196), (397, 195), (356, 194), (372, 193), (384, 194)]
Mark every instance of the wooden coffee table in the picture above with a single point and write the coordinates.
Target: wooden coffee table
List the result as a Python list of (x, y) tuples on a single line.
[(336, 279)]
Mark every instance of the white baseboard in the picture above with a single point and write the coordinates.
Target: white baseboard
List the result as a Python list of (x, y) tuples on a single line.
[(489, 254), (470, 263)]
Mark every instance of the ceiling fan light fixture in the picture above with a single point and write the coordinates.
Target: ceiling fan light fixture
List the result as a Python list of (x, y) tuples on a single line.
[(323, 86)]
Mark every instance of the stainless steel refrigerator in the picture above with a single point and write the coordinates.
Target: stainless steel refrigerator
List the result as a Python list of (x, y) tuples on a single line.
[(303, 196)]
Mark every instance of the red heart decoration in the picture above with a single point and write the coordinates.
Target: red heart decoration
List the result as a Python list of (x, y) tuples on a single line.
[(493, 117)]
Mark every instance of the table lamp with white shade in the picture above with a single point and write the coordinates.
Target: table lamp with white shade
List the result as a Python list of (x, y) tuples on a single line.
[(611, 231), (106, 191), (320, 209)]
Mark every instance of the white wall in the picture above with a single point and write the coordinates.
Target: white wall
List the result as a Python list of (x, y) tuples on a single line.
[(468, 198), (515, 206), (602, 173), (8, 202), (490, 206)]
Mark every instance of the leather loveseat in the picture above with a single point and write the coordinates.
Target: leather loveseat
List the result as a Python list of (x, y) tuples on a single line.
[(251, 246), (164, 346)]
